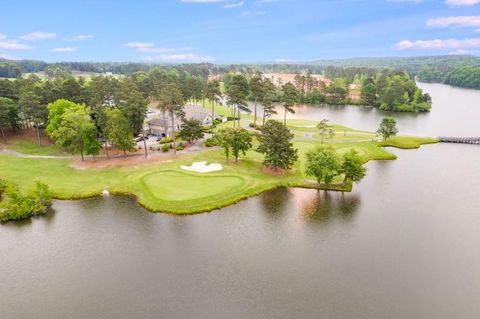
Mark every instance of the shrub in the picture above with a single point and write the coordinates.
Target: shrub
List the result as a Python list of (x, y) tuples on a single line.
[(231, 118), (165, 148), (180, 147), (211, 142), (14, 205), (257, 127), (165, 140)]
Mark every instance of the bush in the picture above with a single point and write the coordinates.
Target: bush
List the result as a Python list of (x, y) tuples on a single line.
[(231, 118), (165, 148), (211, 142), (165, 140), (257, 127), (180, 147), (14, 205), (217, 122)]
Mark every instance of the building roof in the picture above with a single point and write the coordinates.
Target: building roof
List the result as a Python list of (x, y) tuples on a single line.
[(196, 112), (191, 111)]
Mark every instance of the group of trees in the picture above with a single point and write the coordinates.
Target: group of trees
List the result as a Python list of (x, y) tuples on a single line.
[(465, 76), (274, 141), (325, 164), (239, 89), (394, 92), (108, 108), (388, 90)]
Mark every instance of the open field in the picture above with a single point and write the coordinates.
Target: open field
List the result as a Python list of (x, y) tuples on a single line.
[(165, 187)]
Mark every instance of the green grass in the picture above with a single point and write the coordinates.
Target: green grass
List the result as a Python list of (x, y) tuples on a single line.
[(194, 186), (164, 187), (29, 147), (407, 142)]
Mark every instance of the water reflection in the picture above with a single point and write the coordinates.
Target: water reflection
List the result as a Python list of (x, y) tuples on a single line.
[(323, 208), (273, 202)]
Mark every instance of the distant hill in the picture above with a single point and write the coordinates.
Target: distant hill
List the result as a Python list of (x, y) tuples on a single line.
[(394, 62)]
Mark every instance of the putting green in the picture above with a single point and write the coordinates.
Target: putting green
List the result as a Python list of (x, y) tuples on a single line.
[(179, 186)]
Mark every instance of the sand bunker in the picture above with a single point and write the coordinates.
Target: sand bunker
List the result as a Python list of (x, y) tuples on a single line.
[(202, 167)]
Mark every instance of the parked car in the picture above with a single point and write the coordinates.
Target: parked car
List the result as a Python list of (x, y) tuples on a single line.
[(141, 138)]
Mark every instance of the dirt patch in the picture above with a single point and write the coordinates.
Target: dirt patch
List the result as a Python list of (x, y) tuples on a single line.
[(25, 135), (271, 171)]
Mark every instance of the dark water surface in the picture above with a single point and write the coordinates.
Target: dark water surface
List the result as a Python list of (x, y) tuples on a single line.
[(404, 244)]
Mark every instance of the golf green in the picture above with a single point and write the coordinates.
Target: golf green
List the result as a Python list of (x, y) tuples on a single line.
[(179, 186)]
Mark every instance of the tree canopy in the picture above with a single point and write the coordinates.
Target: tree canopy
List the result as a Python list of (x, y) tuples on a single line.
[(275, 142)]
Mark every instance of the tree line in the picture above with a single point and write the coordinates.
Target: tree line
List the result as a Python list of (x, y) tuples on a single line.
[(466, 76)]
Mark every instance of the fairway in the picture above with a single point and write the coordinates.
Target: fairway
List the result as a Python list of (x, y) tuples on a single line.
[(179, 186)]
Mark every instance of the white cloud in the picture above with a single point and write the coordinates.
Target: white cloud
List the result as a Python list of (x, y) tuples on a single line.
[(437, 44), (150, 47), (463, 52), (79, 37), (140, 45), (461, 21), (63, 50), (284, 60), (14, 45), (232, 5), (181, 57), (462, 3), (36, 36), (2, 36)]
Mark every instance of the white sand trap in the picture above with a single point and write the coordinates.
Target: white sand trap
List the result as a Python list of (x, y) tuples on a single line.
[(202, 167)]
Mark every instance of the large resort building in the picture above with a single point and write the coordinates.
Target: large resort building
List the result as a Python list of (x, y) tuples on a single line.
[(279, 79)]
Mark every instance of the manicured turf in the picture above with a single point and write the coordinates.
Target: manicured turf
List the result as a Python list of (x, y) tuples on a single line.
[(30, 147), (164, 187), (194, 186)]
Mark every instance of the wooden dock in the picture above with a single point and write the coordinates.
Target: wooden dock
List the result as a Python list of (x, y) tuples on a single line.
[(460, 140)]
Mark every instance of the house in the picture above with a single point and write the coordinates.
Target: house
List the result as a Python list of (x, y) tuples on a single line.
[(162, 126), (199, 113)]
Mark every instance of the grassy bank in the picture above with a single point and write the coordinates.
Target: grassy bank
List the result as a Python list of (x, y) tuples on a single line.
[(164, 187)]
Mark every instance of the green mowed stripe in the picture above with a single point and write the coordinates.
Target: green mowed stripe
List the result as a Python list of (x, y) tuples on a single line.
[(179, 186)]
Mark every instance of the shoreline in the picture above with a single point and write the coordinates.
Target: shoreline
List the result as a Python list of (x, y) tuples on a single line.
[(164, 207)]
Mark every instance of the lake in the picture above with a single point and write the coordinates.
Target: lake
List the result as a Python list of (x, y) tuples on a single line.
[(455, 112), (404, 244)]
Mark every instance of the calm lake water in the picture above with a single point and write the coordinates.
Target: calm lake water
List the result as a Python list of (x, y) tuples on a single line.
[(404, 244), (455, 112)]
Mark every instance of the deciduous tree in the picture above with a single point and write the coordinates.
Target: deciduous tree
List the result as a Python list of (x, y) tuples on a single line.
[(352, 167), (388, 128), (191, 130), (323, 163)]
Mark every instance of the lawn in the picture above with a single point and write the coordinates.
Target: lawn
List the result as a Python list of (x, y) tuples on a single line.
[(30, 147), (165, 187)]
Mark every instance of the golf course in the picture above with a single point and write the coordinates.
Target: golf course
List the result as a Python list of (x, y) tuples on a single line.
[(163, 186)]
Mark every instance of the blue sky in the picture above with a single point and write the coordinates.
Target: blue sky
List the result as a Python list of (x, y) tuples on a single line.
[(235, 30)]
